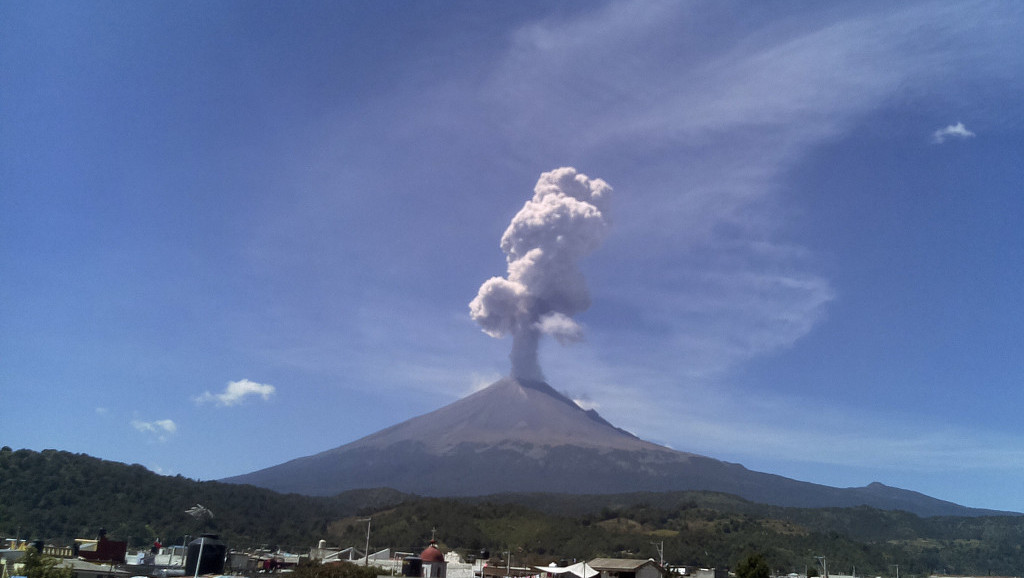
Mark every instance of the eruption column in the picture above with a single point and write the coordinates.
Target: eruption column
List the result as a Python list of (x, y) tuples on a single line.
[(544, 287)]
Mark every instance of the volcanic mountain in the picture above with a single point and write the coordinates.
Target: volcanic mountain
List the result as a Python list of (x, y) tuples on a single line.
[(523, 436)]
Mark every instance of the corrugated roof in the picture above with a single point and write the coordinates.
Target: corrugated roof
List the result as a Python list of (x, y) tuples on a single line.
[(618, 564), (580, 570)]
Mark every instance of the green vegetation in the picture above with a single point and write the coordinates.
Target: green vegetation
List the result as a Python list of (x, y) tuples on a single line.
[(35, 565), (309, 569), (754, 566), (58, 496)]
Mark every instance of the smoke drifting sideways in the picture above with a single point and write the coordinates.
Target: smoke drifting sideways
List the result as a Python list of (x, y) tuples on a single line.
[(563, 222)]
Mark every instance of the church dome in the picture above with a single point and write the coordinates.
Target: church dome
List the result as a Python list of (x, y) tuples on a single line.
[(432, 553)]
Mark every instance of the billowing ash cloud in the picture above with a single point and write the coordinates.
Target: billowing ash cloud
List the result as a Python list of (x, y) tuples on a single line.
[(544, 288)]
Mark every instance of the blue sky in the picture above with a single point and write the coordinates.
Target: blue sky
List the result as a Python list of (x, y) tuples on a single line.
[(236, 233)]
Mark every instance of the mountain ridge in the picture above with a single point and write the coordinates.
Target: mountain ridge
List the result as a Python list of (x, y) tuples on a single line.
[(523, 436)]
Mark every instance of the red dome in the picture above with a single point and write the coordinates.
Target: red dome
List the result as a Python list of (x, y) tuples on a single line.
[(432, 553)]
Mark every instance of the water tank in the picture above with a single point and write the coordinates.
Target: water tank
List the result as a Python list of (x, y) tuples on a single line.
[(208, 553), (412, 566)]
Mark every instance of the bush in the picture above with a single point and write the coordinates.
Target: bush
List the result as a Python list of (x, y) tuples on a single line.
[(753, 567)]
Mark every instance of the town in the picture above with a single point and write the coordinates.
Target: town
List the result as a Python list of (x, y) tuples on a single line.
[(206, 555), (209, 557)]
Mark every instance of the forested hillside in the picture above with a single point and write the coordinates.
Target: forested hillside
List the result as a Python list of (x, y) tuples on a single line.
[(58, 496), (703, 529)]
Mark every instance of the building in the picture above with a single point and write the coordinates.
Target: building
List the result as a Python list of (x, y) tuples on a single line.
[(578, 570), (626, 568), (429, 564), (434, 564)]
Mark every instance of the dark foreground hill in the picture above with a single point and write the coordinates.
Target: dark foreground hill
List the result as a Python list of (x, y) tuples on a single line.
[(523, 436), (60, 496)]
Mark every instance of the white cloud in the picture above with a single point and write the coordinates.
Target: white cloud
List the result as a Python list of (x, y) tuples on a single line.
[(957, 130), (236, 392), (161, 429)]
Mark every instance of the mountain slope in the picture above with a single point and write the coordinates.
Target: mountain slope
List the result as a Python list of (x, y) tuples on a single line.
[(529, 412), (523, 436)]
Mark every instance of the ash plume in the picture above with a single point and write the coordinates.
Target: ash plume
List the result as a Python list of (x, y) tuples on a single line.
[(564, 221)]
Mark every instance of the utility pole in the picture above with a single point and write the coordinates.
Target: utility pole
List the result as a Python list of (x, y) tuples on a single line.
[(199, 560), (660, 547), (824, 566), (366, 562)]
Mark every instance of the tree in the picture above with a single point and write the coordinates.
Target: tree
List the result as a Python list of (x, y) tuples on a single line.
[(753, 567), (35, 565)]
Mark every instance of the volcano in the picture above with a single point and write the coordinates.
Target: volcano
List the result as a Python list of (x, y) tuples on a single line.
[(519, 436)]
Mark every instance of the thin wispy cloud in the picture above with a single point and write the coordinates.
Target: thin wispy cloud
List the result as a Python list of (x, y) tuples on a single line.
[(236, 392), (957, 130), (426, 364), (737, 291), (160, 429), (841, 437), (740, 114)]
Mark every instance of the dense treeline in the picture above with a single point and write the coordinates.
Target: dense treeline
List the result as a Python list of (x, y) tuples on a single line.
[(707, 530), (59, 496)]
